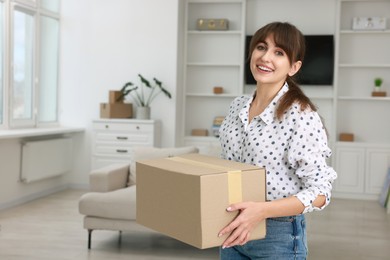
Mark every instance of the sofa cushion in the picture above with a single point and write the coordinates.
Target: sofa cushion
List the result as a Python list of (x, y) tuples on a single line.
[(118, 204), (146, 153)]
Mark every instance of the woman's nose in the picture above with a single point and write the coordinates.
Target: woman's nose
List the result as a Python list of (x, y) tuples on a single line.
[(266, 56)]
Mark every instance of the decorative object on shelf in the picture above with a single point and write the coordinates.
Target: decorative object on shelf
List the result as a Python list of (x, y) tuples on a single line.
[(346, 137), (142, 112), (143, 95), (378, 88), (115, 108), (217, 124), (218, 90), (199, 132), (369, 23), (212, 24)]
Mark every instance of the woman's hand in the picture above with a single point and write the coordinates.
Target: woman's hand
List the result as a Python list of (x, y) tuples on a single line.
[(251, 214)]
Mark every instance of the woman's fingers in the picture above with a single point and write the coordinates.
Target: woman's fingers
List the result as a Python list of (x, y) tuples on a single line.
[(238, 237)]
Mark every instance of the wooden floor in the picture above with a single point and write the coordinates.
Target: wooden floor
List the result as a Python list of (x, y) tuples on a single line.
[(51, 228)]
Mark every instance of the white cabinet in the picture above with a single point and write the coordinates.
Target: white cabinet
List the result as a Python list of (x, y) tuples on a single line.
[(350, 169), (378, 163), (361, 56), (209, 146), (211, 58), (112, 139), (361, 170)]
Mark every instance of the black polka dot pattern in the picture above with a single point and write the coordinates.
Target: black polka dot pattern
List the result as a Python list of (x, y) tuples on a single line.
[(293, 150)]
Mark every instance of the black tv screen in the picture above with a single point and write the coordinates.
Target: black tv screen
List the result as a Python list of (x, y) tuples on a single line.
[(317, 66)]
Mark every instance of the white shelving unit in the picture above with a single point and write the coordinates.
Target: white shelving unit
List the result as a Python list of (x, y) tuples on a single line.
[(361, 56), (211, 58)]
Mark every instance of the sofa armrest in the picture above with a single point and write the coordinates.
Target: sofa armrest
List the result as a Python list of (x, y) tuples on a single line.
[(109, 178)]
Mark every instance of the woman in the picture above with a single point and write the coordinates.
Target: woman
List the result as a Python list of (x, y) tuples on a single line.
[(279, 129)]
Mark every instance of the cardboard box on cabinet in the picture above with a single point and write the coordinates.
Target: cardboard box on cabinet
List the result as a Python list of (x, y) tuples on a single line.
[(116, 110), (186, 197), (114, 97)]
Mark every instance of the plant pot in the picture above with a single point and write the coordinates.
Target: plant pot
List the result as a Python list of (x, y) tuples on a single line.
[(378, 92), (143, 113)]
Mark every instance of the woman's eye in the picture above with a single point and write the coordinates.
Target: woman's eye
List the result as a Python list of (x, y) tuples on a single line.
[(261, 47), (279, 53)]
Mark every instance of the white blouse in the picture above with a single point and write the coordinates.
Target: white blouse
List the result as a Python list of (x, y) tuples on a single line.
[(293, 150)]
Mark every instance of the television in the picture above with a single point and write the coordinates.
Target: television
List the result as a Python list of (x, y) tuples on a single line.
[(317, 66)]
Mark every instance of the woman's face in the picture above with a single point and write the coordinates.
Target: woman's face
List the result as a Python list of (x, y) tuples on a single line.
[(270, 64)]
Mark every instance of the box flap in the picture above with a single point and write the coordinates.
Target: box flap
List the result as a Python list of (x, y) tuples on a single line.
[(198, 164)]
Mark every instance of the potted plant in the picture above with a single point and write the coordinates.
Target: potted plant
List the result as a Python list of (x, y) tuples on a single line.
[(143, 95), (378, 84)]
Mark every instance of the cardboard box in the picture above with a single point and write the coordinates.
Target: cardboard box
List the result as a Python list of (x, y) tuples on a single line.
[(218, 90), (346, 137), (199, 132), (113, 96), (186, 197), (117, 110)]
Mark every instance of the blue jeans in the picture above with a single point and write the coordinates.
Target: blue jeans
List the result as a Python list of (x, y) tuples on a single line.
[(285, 240)]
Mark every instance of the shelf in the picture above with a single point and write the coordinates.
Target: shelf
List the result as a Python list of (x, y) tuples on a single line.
[(212, 95), (362, 144), (35, 132), (351, 65), (348, 98), (365, 32), (209, 138), (203, 64), (214, 32)]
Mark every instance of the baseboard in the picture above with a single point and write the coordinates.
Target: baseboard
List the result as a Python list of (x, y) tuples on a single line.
[(33, 196)]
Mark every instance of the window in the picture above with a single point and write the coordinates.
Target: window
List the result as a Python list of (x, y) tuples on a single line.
[(47, 109), (33, 39)]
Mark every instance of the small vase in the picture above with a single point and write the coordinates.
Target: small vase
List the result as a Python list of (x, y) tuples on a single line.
[(143, 113)]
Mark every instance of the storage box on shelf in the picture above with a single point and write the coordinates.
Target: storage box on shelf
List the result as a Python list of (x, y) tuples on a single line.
[(362, 56), (212, 58), (112, 139)]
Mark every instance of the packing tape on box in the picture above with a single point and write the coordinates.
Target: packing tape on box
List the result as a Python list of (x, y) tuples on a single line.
[(234, 177), (235, 186)]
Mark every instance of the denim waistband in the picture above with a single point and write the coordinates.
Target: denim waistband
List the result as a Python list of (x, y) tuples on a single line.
[(288, 218)]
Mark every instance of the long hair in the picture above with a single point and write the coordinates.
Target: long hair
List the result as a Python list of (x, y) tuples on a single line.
[(292, 41)]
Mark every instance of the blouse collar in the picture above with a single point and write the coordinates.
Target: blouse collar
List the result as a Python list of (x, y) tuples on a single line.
[(268, 115)]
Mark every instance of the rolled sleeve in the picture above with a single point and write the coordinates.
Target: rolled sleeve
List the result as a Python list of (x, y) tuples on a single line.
[(309, 161)]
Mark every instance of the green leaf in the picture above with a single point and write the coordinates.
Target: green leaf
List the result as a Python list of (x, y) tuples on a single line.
[(144, 81)]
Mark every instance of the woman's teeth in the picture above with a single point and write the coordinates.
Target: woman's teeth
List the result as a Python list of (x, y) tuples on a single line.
[(264, 68)]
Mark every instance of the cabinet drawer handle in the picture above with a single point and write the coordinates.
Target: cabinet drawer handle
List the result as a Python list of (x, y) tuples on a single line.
[(121, 151), (137, 127), (121, 138)]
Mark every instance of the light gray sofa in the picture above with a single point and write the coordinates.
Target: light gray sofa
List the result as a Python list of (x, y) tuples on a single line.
[(110, 204)]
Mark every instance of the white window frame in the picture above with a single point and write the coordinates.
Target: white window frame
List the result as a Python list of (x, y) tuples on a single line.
[(30, 7), (5, 67), (31, 122)]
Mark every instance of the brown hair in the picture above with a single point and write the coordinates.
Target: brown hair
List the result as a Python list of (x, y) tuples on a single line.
[(292, 41)]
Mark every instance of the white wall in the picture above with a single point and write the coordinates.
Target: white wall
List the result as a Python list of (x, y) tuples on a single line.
[(107, 43), (310, 16)]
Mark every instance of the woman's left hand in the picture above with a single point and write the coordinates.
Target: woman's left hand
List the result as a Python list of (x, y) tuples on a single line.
[(251, 214)]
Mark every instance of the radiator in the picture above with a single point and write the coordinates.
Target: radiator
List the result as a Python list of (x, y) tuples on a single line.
[(43, 159)]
